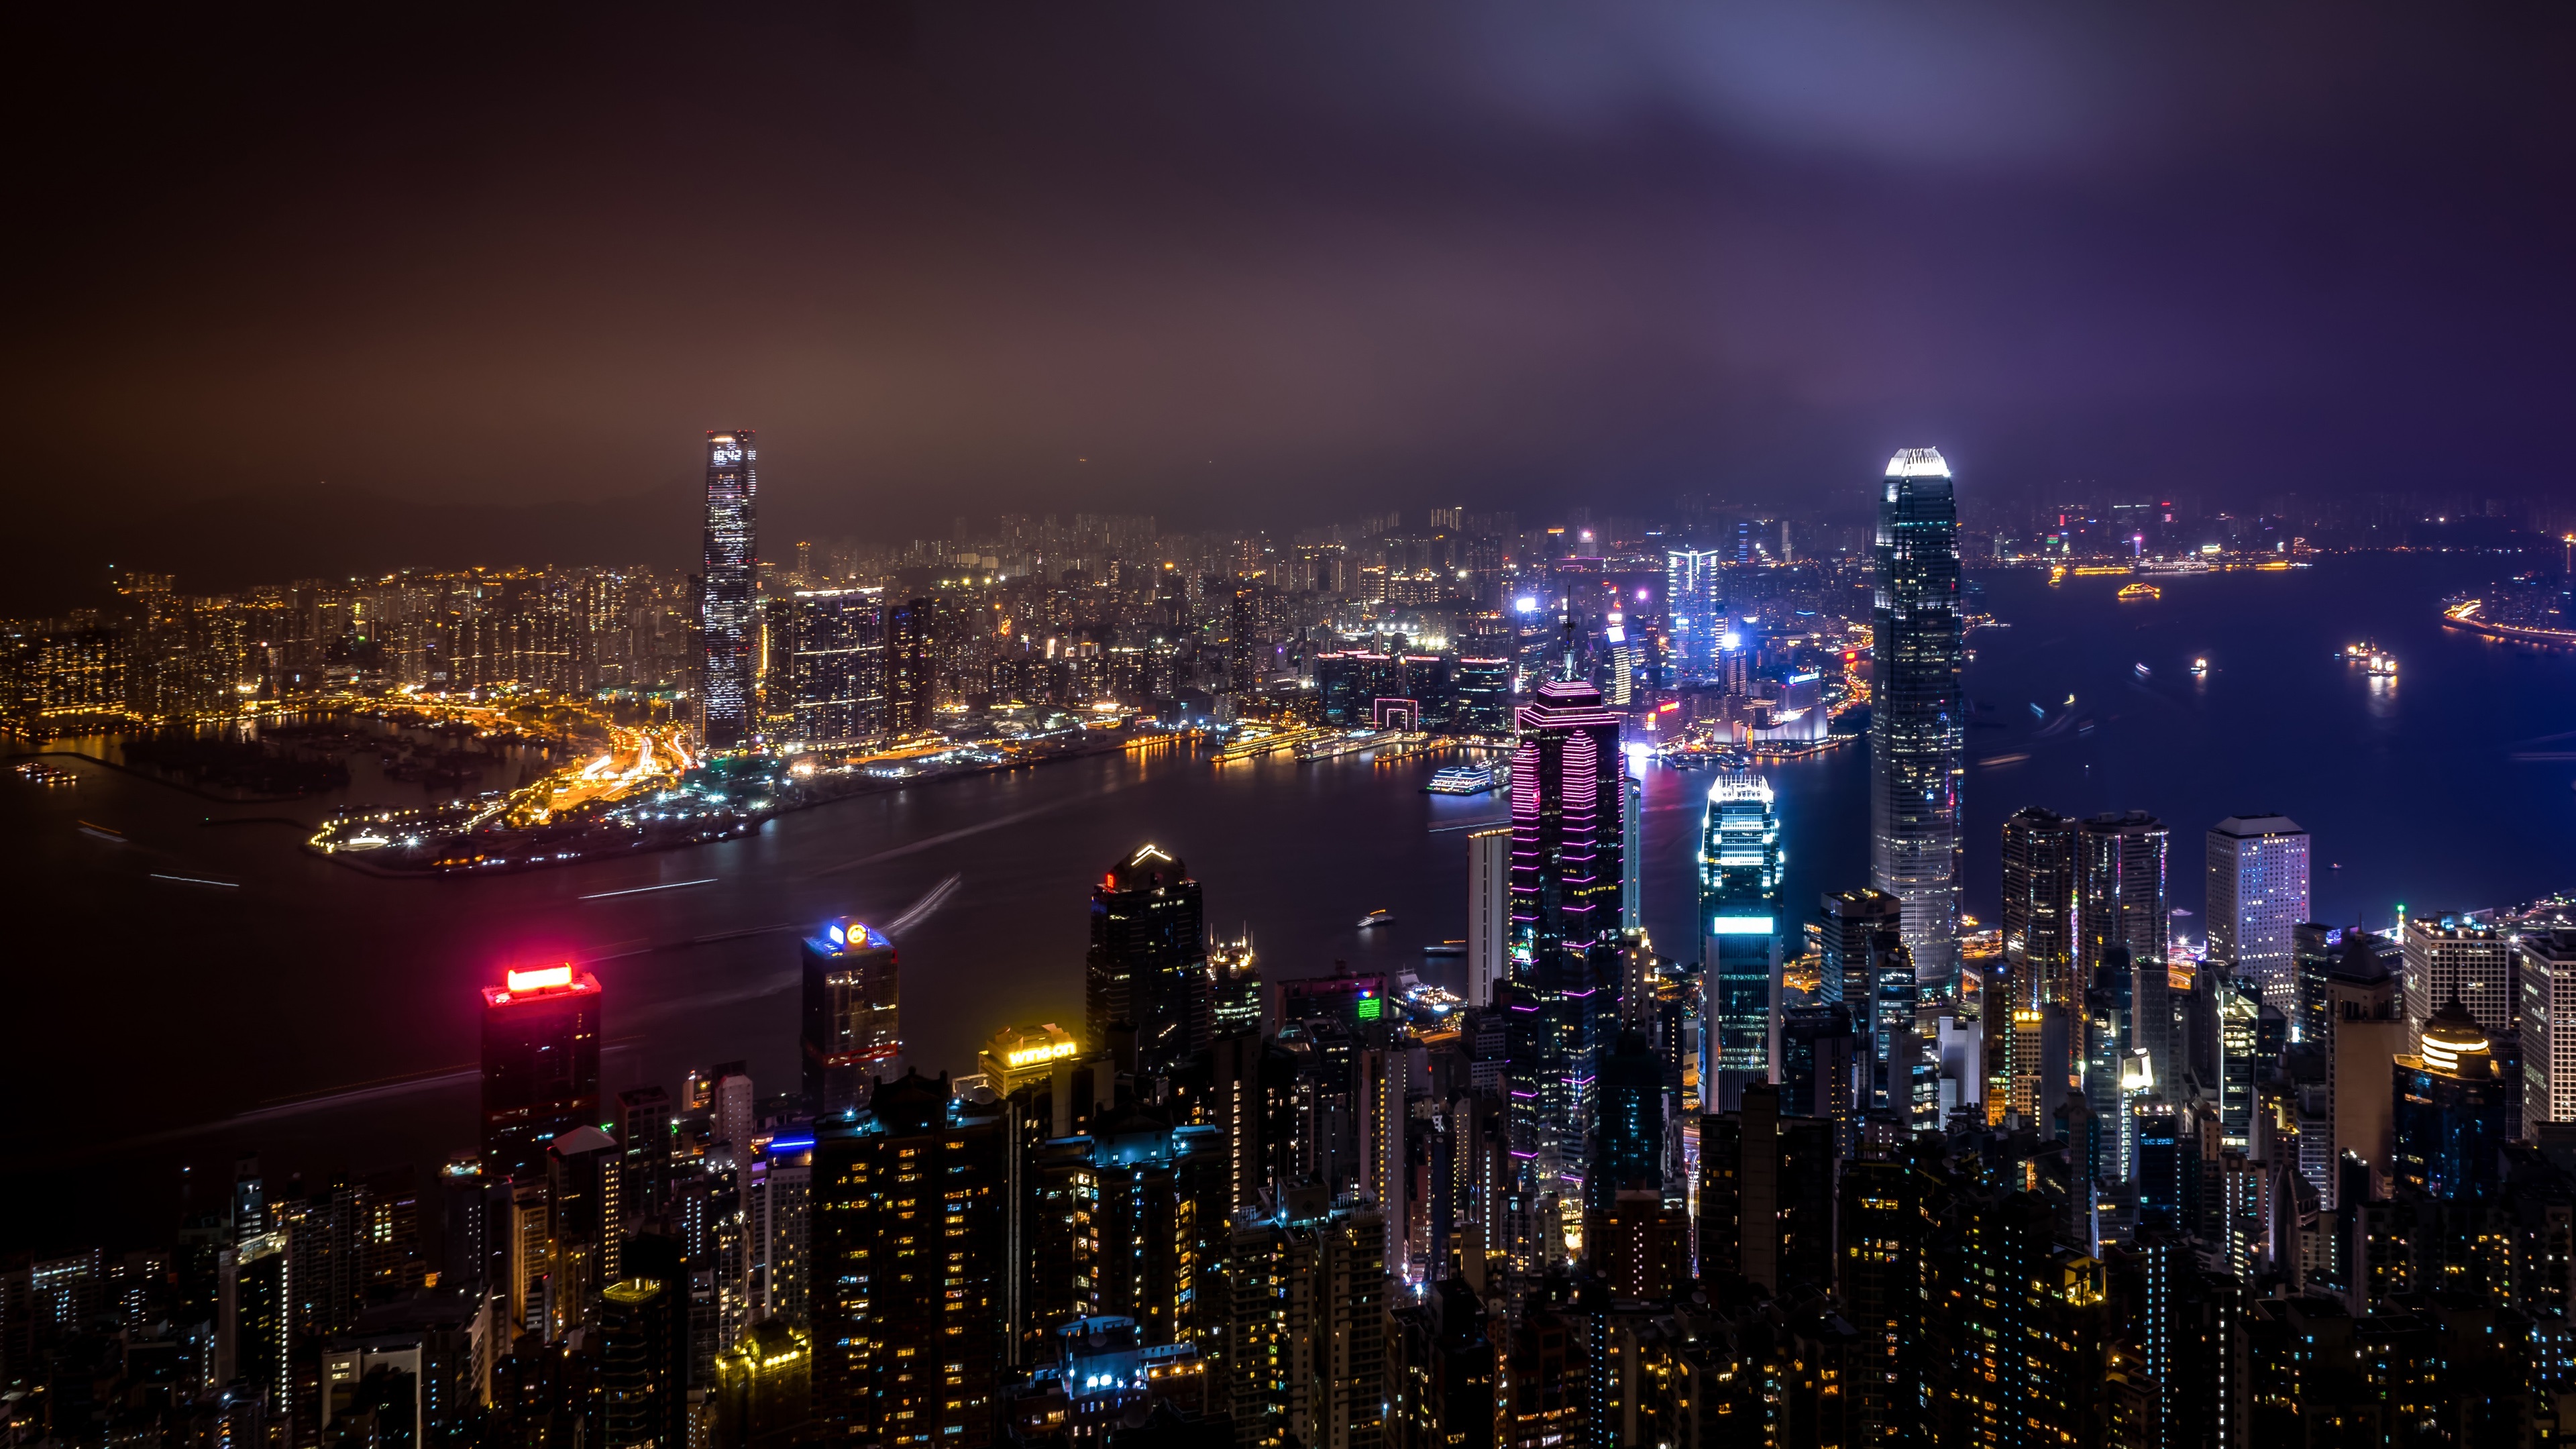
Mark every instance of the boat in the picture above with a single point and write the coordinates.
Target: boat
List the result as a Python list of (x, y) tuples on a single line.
[(2143, 671), (2372, 659), (1378, 917), (37, 772), (2200, 666), (1462, 780), (2141, 590)]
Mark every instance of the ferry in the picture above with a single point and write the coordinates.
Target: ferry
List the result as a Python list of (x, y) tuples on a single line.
[(2371, 658), (1378, 917), (2173, 566), (1462, 780), (2141, 591), (37, 772)]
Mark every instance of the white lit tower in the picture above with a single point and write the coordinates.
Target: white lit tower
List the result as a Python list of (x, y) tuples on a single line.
[(727, 638), (1918, 726), (2258, 895), (1739, 885)]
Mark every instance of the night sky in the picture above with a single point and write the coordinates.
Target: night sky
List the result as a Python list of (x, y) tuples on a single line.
[(296, 290)]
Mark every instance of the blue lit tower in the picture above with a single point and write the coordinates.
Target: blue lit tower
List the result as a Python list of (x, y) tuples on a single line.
[(725, 640), (853, 1019), (1739, 896), (1695, 601), (1568, 869), (1917, 726)]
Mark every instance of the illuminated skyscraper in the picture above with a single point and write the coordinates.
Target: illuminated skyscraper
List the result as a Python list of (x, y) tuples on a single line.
[(1568, 869), (853, 1029), (2039, 909), (1917, 725), (2258, 895), (1695, 601), (911, 1209), (540, 1066), (2120, 889), (912, 665), (837, 666), (1147, 972), (1489, 913), (1739, 893), (727, 646)]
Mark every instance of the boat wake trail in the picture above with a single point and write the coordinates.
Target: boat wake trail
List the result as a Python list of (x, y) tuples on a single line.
[(922, 908), (738, 991)]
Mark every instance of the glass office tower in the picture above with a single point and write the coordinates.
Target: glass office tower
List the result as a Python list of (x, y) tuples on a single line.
[(1739, 892), (1917, 723), (726, 646)]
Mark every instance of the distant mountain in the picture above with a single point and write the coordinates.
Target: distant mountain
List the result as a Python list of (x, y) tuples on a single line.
[(60, 558)]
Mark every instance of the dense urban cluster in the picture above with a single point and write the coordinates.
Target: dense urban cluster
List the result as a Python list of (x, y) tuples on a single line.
[(1856, 1171)]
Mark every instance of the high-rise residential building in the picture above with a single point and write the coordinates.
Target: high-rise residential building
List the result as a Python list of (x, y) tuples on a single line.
[(727, 649), (2546, 962), (1918, 721), (2120, 889), (1568, 869), (2039, 918), (912, 665), (1695, 604), (1766, 1196), (2258, 895), (540, 1065), (2449, 957), (1130, 1221), (1146, 977), (853, 1019), (1489, 913), (643, 1366), (585, 1219), (765, 1387), (1308, 1336), (911, 1205), (835, 677), (1739, 894)]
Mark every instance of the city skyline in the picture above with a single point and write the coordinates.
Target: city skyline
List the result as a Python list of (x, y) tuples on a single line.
[(1431, 729)]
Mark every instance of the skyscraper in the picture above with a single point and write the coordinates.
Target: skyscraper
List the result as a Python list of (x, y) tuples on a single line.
[(2120, 889), (911, 1208), (1739, 893), (912, 665), (2258, 895), (1147, 972), (853, 1028), (836, 671), (2546, 962), (1917, 726), (2039, 919), (1568, 868), (2456, 957), (540, 1065), (1489, 913), (1695, 600), (726, 649)]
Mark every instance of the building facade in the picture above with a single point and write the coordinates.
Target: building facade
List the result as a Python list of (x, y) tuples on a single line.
[(727, 642), (1918, 725)]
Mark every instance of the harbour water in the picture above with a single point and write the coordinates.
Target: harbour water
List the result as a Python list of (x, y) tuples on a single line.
[(187, 983)]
